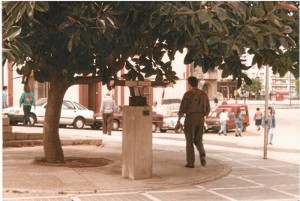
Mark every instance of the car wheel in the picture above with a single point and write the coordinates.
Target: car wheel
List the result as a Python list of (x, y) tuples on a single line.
[(13, 123), (244, 127), (95, 126), (154, 127), (32, 119), (78, 123), (62, 126), (179, 130), (115, 125), (163, 130)]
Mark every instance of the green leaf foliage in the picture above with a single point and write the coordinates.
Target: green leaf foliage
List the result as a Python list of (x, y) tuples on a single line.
[(98, 39)]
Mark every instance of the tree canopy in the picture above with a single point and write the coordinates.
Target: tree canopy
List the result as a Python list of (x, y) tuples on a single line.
[(83, 42), (255, 86), (67, 43)]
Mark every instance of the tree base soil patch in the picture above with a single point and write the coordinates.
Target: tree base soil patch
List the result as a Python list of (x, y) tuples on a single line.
[(75, 162)]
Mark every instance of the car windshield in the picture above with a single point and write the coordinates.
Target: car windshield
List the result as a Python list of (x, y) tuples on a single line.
[(41, 102), (68, 105), (170, 101), (174, 114), (80, 107), (214, 114)]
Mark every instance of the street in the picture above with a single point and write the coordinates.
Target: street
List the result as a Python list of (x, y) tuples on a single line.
[(251, 177)]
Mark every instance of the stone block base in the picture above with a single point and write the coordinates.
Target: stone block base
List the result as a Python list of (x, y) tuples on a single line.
[(137, 142)]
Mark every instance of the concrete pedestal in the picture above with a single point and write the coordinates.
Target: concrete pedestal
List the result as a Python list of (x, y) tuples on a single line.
[(137, 142)]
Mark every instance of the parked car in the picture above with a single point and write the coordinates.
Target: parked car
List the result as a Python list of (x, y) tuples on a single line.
[(72, 113), (157, 120), (171, 121), (213, 119)]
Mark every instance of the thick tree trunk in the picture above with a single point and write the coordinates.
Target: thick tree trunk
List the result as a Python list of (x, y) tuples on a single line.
[(52, 146)]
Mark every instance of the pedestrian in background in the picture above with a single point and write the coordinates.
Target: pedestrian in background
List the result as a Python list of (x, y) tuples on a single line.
[(270, 120), (27, 100), (195, 104), (155, 108), (238, 120), (257, 118), (224, 101), (4, 97), (223, 119), (107, 112), (216, 101)]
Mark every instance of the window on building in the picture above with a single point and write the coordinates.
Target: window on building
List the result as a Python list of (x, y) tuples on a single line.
[(40, 90)]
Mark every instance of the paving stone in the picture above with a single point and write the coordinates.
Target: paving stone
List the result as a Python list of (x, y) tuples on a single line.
[(187, 195), (253, 194), (263, 163), (246, 172), (229, 182), (114, 197), (270, 180), (288, 169), (292, 189)]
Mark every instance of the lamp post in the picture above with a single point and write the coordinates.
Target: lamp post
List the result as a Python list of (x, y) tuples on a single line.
[(266, 113)]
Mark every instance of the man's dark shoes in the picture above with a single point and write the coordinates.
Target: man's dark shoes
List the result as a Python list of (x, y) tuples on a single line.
[(202, 160), (189, 166)]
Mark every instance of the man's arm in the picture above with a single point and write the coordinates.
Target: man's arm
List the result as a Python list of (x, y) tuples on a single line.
[(182, 108)]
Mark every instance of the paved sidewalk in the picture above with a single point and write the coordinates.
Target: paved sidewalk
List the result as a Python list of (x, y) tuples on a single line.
[(21, 177), (231, 174)]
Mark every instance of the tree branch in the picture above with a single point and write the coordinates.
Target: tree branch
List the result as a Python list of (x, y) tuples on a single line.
[(86, 80)]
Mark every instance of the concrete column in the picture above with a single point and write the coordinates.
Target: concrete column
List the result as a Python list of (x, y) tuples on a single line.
[(137, 142)]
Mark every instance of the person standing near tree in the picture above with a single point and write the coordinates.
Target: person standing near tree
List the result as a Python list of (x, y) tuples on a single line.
[(195, 104), (27, 100), (270, 120), (4, 97), (107, 112), (238, 120), (257, 118)]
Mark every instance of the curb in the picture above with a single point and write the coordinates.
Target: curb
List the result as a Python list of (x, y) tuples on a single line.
[(31, 143)]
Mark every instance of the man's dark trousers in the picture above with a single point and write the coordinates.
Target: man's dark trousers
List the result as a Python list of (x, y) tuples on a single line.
[(193, 129)]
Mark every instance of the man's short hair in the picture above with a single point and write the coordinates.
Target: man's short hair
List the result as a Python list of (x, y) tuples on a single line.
[(193, 81), (4, 87)]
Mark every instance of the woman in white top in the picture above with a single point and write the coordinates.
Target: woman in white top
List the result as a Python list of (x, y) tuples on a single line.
[(223, 119), (107, 111)]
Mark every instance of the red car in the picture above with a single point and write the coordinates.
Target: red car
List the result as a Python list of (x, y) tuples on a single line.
[(213, 120), (157, 120)]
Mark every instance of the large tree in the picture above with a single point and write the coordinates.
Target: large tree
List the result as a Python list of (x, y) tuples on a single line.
[(67, 43)]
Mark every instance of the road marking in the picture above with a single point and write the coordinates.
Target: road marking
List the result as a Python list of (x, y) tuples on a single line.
[(151, 197), (221, 195), (284, 192), (75, 198)]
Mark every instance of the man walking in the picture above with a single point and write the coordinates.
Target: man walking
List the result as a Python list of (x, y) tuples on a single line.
[(107, 111), (195, 104)]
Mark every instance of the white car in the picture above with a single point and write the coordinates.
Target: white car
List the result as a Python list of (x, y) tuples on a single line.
[(72, 113), (171, 121)]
